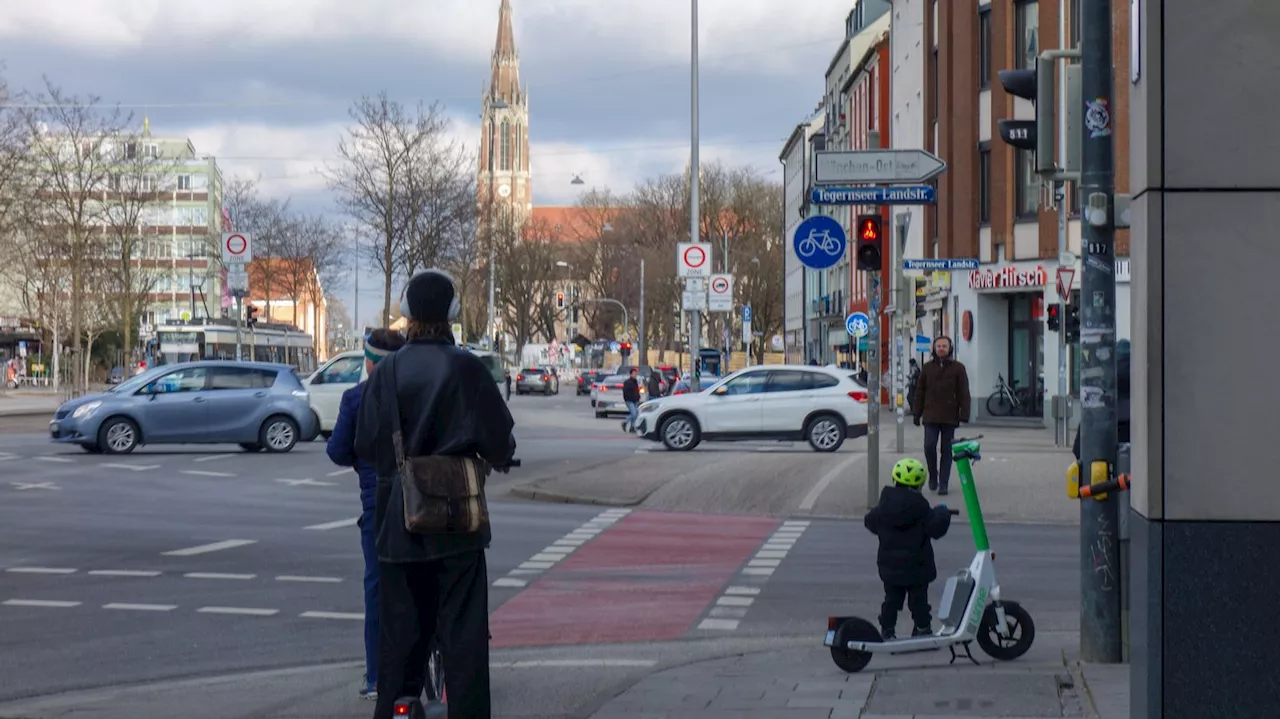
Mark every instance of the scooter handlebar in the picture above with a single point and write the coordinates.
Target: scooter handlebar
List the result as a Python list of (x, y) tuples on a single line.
[(953, 512)]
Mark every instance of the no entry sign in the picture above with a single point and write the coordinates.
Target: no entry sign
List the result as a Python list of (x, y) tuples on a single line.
[(693, 259), (237, 248)]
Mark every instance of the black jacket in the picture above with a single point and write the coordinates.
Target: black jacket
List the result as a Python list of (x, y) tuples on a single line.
[(906, 524), (655, 386), (631, 390), (1123, 404), (449, 405)]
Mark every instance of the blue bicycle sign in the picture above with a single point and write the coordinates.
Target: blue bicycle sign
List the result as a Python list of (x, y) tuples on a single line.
[(820, 242), (858, 324)]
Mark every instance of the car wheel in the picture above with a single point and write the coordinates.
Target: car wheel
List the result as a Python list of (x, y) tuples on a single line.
[(278, 434), (825, 433), (251, 447), (118, 436), (680, 433)]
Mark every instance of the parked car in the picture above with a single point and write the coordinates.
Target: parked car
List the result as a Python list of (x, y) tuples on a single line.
[(326, 385), (606, 398), (257, 405), (116, 375), (586, 378), (543, 380), (821, 405)]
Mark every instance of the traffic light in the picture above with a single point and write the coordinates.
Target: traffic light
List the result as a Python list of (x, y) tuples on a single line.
[(1055, 318), (1072, 323), (625, 349), (869, 243), (250, 315), (559, 300), (1038, 135)]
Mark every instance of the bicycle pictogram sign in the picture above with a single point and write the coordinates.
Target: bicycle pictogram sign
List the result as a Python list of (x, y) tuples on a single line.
[(820, 242)]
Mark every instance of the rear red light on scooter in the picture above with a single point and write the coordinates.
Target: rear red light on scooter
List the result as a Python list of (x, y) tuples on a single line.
[(402, 709), (859, 396), (831, 624)]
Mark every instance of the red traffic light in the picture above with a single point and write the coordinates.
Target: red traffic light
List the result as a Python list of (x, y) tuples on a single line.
[(869, 228)]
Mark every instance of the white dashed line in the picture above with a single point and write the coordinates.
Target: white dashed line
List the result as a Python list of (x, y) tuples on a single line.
[(216, 575), (134, 467), (537, 565), (205, 473), (719, 624), (141, 607), (572, 663), (734, 603), (509, 582), (48, 603), (212, 457), (23, 486), (47, 458), (206, 548), (317, 580), (247, 611), (40, 570), (332, 615), (561, 548), (341, 472), (6, 455), (334, 525), (124, 573), (308, 482)]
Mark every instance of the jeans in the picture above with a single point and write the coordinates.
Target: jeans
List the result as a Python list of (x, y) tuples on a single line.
[(367, 538), (939, 466), (917, 601), (633, 411)]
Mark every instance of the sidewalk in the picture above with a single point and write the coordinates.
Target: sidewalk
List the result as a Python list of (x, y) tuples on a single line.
[(17, 403)]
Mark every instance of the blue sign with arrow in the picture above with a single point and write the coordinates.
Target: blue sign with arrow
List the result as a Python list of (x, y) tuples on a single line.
[(908, 195), (858, 324), (820, 242)]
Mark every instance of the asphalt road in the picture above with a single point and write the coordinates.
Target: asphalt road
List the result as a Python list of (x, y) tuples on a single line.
[(185, 564)]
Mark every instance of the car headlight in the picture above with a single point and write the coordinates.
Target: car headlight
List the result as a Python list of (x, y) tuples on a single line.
[(650, 406), (85, 410)]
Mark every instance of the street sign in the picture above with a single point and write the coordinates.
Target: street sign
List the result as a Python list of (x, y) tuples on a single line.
[(746, 333), (820, 242), (832, 167), (721, 299), (237, 278), (945, 265), (910, 195), (1066, 278), (693, 259), (746, 313), (857, 324), (694, 301), (236, 248)]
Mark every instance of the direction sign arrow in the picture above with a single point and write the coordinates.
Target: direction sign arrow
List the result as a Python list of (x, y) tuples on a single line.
[(876, 166)]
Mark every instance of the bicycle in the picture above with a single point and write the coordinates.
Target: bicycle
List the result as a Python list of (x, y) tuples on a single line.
[(1010, 399), (811, 244)]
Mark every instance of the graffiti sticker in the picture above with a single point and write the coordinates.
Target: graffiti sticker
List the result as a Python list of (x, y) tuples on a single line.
[(1097, 117)]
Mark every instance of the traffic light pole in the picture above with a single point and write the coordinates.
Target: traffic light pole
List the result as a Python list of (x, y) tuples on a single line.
[(873, 390), (1100, 625)]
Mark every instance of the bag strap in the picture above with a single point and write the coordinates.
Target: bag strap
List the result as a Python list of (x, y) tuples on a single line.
[(397, 430)]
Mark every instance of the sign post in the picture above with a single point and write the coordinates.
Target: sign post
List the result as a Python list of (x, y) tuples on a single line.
[(904, 317), (693, 263), (746, 333)]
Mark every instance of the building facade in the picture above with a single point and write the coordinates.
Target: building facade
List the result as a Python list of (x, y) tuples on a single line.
[(797, 179), (504, 179)]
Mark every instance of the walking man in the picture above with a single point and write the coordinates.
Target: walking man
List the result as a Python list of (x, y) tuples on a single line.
[(941, 404), (631, 395)]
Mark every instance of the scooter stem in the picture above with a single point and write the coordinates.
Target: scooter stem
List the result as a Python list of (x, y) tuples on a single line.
[(974, 509)]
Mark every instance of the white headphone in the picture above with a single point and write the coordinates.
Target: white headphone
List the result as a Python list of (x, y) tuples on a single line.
[(455, 306)]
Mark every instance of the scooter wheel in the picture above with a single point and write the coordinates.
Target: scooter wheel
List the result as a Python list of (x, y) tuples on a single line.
[(1022, 632), (853, 630)]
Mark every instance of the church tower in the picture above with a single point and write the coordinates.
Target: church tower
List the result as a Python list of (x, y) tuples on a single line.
[(504, 128)]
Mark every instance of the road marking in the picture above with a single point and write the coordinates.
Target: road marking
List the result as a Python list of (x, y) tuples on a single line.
[(202, 473), (764, 562), (739, 591), (545, 557), (207, 548), (123, 573), (728, 612), (134, 467), (758, 571), (212, 457), (571, 663), (771, 554), (317, 580), (536, 565), (40, 570), (247, 611), (217, 575), (309, 482), (50, 603), (562, 547), (47, 458), (524, 572), (340, 472), (334, 525), (735, 601), (811, 498), (332, 615), (509, 582), (141, 607), (22, 486), (719, 624), (7, 455)]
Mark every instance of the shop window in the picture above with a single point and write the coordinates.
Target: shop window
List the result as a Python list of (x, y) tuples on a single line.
[(1028, 38), (984, 183), (1027, 187)]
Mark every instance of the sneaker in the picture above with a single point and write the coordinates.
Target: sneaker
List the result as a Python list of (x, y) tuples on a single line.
[(922, 632), (933, 485), (368, 690), (942, 491), (888, 635)]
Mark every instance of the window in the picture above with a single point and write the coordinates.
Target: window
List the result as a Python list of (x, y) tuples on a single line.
[(1028, 186), (933, 85), (984, 183), (1073, 17), (113, 182), (1028, 39), (148, 183), (184, 182), (153, 151), (519, 146), (750, 383), (790, 381), (341, 371), (240, 378), (504, 160), (131, 151), (492, 143), (984, 48), (822, 381), (190, 379)]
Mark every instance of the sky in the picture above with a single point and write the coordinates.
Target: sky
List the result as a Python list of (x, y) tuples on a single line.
[(264, 85)]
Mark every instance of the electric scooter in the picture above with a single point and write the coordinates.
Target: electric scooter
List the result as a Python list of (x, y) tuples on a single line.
[(971, 607), (437, 697)]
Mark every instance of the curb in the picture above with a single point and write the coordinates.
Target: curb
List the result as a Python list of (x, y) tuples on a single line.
[(542, 495), (27, 413)]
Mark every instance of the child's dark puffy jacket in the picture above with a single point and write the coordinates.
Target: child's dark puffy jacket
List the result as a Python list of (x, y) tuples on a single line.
[(341, 445), (906, 524)]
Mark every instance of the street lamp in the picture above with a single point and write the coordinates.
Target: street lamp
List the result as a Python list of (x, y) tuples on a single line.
[(577, 180)]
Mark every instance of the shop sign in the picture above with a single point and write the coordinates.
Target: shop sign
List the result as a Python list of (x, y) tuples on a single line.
[(1007, 278)]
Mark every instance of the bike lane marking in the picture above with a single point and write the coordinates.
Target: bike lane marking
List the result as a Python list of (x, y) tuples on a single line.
[(732, 606)]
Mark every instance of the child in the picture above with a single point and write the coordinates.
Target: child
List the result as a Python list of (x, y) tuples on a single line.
[(905, 524)]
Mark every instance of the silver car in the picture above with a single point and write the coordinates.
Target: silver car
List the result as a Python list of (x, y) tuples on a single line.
[(254, 404)]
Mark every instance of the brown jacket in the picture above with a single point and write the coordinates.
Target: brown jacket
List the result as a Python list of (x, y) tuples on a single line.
[(942, 393)]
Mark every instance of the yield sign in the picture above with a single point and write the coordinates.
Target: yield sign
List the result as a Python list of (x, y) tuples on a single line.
[(1066, 278)]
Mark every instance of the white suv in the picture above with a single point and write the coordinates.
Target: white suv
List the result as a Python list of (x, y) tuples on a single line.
[(822, 405)]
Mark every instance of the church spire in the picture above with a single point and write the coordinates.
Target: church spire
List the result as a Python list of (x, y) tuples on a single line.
[(505, 81)]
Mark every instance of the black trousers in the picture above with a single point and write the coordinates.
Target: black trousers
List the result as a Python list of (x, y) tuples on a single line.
[(939, 466), (917, 601), (456, 590)]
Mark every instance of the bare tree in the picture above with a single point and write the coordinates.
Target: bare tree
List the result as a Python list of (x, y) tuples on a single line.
[(439, 196), (757, 259), (269, 222), (378, 162), (525, 269), (73, 156), (311, 259), (464, 259), (661, 220), (338, 324)]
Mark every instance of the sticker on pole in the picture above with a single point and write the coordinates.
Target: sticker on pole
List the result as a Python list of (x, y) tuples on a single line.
[(1066, 278), (236, 248), (820, 242), (693, 259), (858, 324)]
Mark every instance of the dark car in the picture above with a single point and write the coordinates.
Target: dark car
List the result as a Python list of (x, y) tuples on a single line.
[(586, 378)]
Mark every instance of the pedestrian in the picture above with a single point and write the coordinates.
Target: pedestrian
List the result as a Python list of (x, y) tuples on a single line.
[(341, 449), (655, 385), (941, 404), (913, 377), (506, 376), (631, 395), (428, 403), (906, 527)]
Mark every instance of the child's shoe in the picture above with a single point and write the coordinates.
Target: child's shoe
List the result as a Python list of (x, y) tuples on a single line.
[(888, 635), (922, 632)]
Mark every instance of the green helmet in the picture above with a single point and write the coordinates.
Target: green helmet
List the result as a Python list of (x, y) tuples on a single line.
[(909, 472)]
